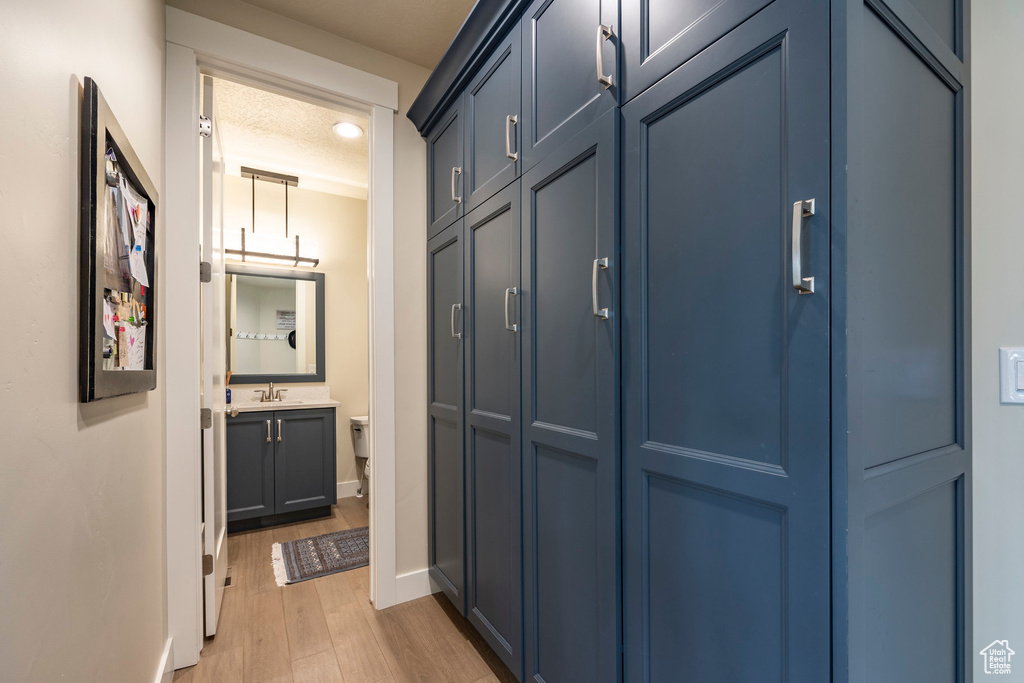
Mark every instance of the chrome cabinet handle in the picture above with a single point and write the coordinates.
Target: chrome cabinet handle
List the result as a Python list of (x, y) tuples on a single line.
[(458, 170), (279, 431), (602, 264), (268, 431), (509, 122), (455, 335), (603, 33), (801, 210), (511, 291)]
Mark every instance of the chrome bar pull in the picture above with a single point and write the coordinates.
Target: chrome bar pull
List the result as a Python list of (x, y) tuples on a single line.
[(509, 122), (279, 431), (268, 431), (511, 291), (603, 33), (455, 335), (801, 210), (599, 264), (456, 170)]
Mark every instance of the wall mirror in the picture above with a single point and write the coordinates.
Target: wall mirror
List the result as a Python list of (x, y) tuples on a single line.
[(275, 325)]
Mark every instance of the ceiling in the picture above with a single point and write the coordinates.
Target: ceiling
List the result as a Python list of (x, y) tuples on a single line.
[(418, 31), (275, 133)]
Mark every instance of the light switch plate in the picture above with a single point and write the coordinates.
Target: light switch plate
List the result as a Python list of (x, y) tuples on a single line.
[(1011, 375)]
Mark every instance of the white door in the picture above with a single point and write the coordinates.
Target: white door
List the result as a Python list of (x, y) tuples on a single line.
[(214, 369)]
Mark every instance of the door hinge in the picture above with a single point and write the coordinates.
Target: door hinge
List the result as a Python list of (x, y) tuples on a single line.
[(205, 418), (207, 565), (205, 126), (205, 271)]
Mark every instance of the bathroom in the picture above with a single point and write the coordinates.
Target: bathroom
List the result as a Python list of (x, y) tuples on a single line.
[(288, 206)]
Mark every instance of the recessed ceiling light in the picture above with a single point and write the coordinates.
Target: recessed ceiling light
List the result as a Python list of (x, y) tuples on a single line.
[(347, 130)]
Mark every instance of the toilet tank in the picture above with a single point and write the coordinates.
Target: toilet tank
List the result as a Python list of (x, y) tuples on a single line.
[(360, 435)]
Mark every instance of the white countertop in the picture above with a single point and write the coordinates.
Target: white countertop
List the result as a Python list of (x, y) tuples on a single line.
[(247, 399)]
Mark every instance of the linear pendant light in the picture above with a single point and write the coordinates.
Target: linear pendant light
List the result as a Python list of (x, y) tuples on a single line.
[(270, 251)]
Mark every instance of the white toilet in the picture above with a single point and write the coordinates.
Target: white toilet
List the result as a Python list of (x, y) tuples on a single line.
[(361, 446)]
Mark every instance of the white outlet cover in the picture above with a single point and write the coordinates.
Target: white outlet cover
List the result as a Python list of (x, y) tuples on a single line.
[(1011, 364)]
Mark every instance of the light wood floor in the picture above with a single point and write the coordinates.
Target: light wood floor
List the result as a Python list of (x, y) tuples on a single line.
[(326, 630)]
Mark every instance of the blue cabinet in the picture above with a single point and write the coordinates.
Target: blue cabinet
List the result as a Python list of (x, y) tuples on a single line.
[(725, 364), (742, 323), (493, 334), (445, 468), (445, 176), (566, 85), (280, 463), (493, 123), (570, 322)]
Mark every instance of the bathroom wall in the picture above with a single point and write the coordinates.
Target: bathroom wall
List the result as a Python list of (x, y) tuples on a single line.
[(81, 486), (338, 226), (410, 243), (997, 27)]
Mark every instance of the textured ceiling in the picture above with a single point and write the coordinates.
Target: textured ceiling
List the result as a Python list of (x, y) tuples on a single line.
[(276, 133), (418, 31)]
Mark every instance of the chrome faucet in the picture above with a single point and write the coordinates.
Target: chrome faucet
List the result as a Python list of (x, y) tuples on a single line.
[(267, 396)]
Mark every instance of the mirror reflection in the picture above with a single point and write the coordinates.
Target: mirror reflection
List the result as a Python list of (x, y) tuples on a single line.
[(272, 325)]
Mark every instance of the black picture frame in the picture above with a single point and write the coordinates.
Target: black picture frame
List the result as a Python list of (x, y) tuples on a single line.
[(99, 133), (321, 335)]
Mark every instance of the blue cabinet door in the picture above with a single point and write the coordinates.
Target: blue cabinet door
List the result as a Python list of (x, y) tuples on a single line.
[(445, 177), (445, 484), (726, 450), (570, 413), (493, 455), (562, 93), (659, 35), (305, 459), (492, 114), (250, 466)]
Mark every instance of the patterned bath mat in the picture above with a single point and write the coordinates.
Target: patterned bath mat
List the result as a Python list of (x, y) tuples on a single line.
[(309, 558)]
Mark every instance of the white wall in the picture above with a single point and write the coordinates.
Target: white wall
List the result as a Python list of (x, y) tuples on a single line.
[(81, 486), (410, 245), (338, 226), (997, 128)]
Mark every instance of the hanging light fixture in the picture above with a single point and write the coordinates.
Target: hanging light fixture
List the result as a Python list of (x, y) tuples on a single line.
[(268, 248)]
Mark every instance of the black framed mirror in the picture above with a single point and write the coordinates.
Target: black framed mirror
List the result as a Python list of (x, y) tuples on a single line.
[(275, 325)]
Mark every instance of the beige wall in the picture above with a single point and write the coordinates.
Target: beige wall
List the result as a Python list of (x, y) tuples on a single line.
[(81, 486), (997, 129), (338, 226), (410, 245)]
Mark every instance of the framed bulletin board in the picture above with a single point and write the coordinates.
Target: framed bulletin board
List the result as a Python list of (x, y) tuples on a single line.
[(117, 276)]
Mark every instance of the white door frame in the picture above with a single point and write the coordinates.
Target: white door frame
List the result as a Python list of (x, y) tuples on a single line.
[(195, 43)]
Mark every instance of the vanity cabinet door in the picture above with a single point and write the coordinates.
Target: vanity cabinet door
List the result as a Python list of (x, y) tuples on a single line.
[(305, 463), (250, 466)]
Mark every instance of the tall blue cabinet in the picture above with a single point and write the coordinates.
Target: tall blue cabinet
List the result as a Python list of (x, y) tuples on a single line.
[(708, 314)]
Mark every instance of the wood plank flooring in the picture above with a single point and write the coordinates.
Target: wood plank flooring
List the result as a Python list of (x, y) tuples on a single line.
[(326, 630)]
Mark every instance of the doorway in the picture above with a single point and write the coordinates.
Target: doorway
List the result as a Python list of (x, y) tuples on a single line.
[(197, 47)]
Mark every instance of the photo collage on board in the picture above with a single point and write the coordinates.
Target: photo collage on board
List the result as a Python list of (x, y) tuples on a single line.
[(128, 228)]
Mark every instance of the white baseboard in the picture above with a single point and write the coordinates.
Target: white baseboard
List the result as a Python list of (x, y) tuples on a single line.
[(414, 585), (165, 672), (347, 489)]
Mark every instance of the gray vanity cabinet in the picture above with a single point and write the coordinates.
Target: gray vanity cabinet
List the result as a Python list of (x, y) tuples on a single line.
[(250, 466), (280, 462), (305, 462)]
